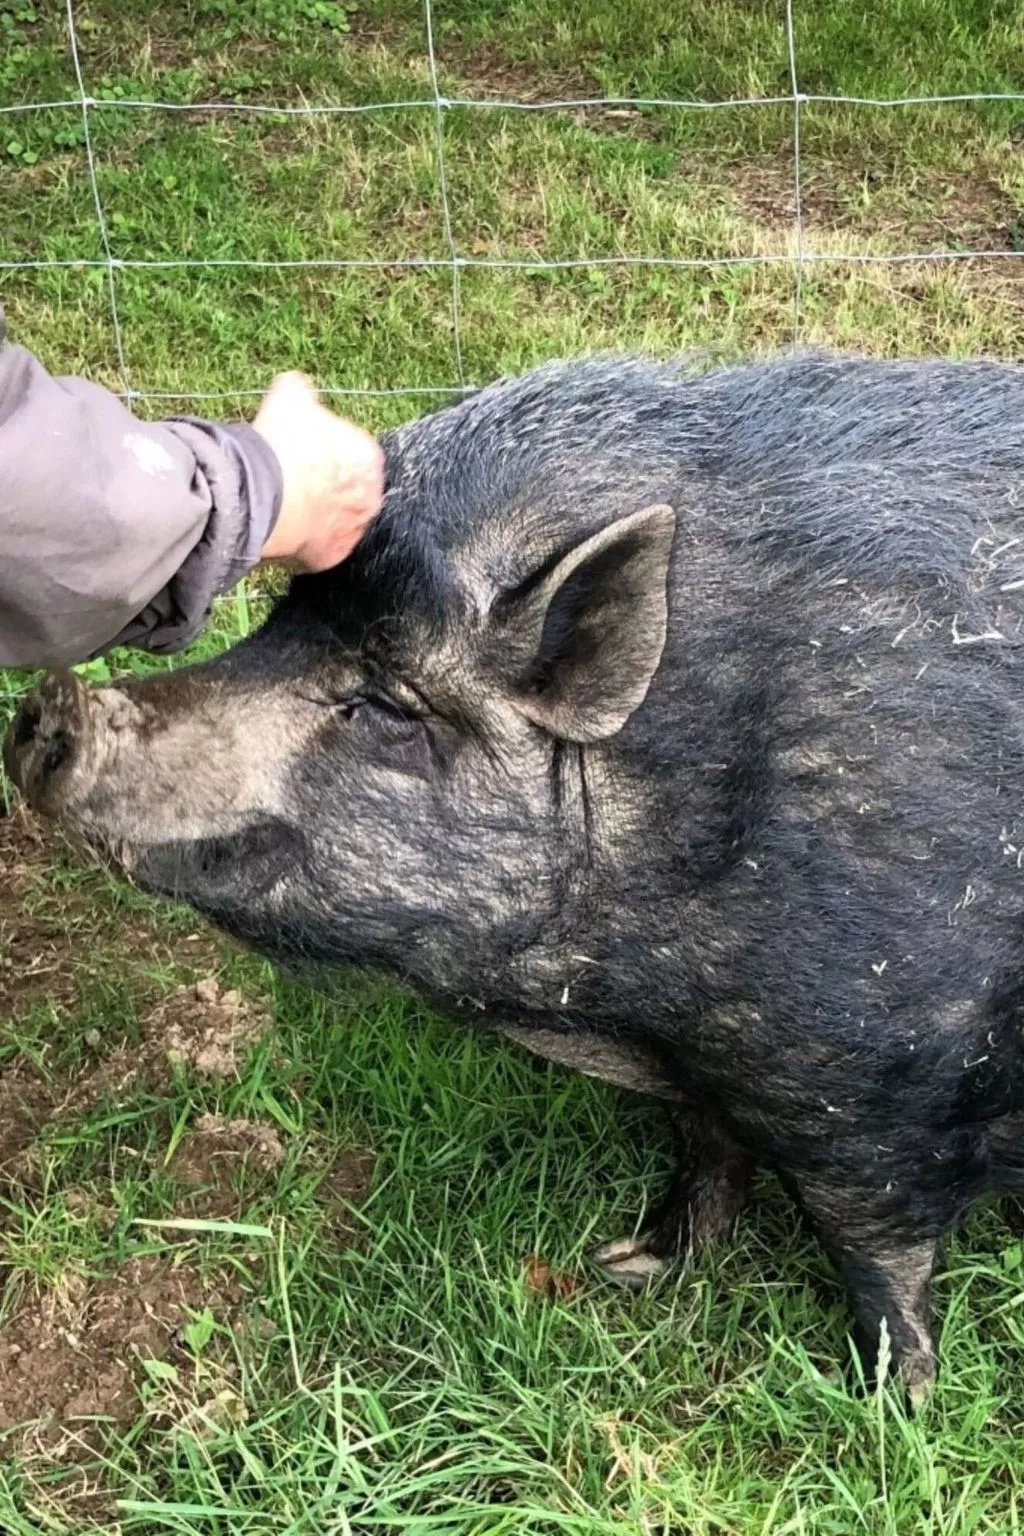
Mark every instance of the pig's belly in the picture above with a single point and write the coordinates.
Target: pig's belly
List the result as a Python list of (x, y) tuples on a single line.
[(625, 1063)]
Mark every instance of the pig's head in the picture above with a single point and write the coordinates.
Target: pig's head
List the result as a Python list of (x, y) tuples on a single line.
[(410, 765)]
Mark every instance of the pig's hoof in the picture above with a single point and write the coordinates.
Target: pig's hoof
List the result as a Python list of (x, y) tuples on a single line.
[(918, 1373), (628, 1261)]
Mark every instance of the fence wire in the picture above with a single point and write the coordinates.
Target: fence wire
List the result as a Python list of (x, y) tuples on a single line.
[(438, 104)]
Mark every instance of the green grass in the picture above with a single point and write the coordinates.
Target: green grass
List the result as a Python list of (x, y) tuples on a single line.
[(397, 1371), (414, 1383)]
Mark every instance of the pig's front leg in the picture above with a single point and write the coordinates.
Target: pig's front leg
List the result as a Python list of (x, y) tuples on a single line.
[(700, 1208)]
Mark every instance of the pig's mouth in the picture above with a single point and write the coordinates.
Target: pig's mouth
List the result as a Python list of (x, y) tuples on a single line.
[(218, 874)]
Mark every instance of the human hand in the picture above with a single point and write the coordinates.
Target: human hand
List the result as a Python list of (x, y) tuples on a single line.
[(333, 475)]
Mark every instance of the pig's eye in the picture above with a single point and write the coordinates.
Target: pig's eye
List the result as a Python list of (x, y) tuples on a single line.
[(379, 703), (395, 732)]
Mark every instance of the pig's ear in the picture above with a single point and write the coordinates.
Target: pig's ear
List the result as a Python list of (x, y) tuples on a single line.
[(593, 629)]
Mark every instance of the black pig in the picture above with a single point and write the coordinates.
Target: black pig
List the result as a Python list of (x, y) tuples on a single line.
[(673, 726)]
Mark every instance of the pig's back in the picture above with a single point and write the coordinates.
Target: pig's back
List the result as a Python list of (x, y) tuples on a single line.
[(844, 683)]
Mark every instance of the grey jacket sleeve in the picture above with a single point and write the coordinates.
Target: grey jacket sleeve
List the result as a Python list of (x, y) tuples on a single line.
[(112, 530)]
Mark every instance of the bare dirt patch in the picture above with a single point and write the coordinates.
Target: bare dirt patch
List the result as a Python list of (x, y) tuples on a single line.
[(200, 1027), (929, 214), (346, 1183), (486, 71), (26, 1101), (33, 948), (75, 1354), (55, 938), (207, 1029), (220, 1164), (218, 1157)]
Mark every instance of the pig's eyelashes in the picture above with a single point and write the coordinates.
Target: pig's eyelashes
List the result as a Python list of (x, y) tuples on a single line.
[(385, 728), (346, 705), (379, 703)]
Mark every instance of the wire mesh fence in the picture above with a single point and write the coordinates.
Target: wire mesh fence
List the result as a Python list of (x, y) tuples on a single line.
[(799, 258)]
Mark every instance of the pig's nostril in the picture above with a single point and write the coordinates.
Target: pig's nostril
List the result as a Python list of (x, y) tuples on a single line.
[(47, 739), (25, 727), (57, 753)]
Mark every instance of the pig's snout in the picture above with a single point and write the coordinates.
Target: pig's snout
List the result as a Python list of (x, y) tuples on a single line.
[(46, 752)]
